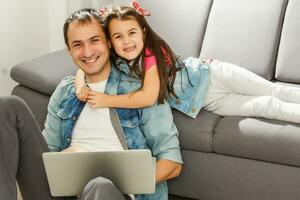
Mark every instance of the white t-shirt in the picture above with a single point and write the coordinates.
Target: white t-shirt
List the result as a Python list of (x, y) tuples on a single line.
[(93, 130)]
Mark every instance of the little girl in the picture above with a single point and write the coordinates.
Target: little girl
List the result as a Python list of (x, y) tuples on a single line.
[(147, 55), (219, 87)]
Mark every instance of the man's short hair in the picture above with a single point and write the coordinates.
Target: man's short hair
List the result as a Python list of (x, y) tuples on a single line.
[(83, 16)]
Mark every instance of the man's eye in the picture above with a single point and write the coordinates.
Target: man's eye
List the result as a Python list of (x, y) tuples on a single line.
[(76, 45), (95, 40)]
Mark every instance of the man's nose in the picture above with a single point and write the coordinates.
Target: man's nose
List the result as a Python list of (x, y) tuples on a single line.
[(87, 50)]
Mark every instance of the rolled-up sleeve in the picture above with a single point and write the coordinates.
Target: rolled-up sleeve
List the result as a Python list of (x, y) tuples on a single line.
[(161, 133)]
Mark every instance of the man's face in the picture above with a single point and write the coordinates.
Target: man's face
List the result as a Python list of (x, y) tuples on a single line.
[(89, 49)]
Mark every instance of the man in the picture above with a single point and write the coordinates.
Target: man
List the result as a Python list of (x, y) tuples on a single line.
[(71, 125)]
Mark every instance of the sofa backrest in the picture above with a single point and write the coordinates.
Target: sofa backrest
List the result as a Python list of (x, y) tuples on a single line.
[(245, 33), (181, 23), (288, 62)]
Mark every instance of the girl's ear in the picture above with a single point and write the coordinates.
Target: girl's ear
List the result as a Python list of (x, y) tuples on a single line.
[(144, 31)]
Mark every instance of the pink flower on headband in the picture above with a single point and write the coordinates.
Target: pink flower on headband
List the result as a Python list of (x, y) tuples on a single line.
[(139, 9), (102, 11)]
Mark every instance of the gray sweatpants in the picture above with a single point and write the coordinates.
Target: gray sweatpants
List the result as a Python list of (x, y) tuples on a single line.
[(21, 148)]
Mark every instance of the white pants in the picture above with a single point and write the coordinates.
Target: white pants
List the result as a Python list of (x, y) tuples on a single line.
[(238, 92)]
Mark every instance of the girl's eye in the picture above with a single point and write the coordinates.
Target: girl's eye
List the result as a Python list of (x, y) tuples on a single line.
[(117, 37), (132, 33)]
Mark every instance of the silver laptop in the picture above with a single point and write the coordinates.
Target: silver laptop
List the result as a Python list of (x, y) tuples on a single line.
[(132, 171)]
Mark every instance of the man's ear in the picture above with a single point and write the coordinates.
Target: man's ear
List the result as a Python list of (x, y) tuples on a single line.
[(68, 49), (109, 44)]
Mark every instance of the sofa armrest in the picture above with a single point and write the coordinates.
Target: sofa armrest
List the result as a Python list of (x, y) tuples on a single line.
[(44, 73)]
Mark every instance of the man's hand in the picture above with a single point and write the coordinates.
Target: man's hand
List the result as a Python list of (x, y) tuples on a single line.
[(166, 169), (82, 93), (97, 99)]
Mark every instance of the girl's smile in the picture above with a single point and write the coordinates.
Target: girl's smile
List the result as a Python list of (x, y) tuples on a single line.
[(127, 38)]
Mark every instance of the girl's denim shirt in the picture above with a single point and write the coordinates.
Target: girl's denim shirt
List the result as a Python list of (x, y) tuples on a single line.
[(143, 128), (190, 85)]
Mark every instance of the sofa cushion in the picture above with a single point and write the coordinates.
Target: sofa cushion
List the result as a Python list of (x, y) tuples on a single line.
[(288, 62), (245, 33), (260, 139), (41, 74), (174, 22), (36, 101), (196, 134)]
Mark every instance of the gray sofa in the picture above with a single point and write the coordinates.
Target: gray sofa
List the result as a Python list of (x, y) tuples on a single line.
[(226, 158)]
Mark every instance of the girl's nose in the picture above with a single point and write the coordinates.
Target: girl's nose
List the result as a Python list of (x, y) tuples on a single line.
[(126, 40)]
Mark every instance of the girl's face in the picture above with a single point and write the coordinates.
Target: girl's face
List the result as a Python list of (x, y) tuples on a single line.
[(126, 37)]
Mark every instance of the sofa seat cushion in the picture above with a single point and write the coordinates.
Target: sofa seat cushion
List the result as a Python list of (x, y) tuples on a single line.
[(259, 139), (196, 134), (41, 74)]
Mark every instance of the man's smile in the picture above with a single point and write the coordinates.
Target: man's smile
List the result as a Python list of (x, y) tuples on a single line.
[(90, 60)]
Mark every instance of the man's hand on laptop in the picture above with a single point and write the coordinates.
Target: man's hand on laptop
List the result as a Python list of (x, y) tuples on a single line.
[(75, 148)]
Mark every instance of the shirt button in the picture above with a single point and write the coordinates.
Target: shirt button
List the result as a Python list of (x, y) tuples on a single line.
[(74, 118), (68, 139), (177, 101), (193, 110)]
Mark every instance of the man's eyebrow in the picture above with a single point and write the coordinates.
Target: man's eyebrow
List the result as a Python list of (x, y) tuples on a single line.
[(95, 37), (75, 41), (78, 41)]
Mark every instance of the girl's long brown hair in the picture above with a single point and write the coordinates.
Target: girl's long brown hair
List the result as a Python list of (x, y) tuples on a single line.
[(159, 48)]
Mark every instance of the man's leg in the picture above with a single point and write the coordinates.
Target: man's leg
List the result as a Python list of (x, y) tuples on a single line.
[(101, 188), (21, 147)]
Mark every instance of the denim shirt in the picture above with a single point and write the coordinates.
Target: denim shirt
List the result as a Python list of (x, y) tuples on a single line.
[(143, 128), (190, 85)]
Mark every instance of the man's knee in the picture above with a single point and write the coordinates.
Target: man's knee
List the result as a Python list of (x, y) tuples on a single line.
[(99, 185), (9, 104), (101, 188)]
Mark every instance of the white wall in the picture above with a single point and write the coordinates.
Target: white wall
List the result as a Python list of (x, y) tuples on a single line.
[(23, 35), (31, 28)]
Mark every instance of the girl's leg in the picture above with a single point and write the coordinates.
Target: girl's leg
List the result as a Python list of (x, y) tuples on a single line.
[(234, 79), (21, 148), (256, 106)]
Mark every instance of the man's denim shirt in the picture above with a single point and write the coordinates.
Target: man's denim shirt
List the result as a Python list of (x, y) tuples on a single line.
[(151, 127)]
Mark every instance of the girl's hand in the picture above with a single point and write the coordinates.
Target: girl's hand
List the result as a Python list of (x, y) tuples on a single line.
[(82, 93), (97, 99)]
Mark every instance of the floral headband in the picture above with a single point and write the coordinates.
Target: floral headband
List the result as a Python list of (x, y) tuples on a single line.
[(136, 5)]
